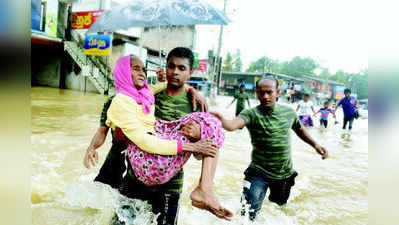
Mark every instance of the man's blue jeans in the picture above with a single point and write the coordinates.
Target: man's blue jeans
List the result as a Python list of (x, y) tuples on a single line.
[(255, 187), (350, 120)]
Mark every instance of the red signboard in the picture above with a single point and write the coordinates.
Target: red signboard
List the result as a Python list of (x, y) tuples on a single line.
[(83, 20), (203, 65)]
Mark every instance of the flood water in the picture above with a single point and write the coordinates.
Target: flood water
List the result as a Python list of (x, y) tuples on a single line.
[(333, 191)]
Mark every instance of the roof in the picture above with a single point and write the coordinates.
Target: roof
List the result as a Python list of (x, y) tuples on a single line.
[(303, 78), (42, 38), (323, 80)]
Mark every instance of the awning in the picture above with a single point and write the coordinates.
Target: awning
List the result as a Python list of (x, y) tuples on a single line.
[(42, 38), (155, 62), (307, 89), (199, 82), (283, 87)]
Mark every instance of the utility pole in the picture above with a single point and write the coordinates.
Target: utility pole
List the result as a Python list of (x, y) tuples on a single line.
[(216, 69)]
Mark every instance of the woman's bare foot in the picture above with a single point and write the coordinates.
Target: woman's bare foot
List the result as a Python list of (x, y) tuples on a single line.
[(206, 199)]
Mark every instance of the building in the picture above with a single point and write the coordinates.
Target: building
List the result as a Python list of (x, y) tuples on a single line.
[(57, 47), (297, 86)]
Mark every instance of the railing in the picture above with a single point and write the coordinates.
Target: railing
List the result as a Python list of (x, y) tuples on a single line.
[(100, 80)]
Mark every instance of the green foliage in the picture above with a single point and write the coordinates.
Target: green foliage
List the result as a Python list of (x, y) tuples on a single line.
[(237, 63), (263, 65), (228, 63), (299, 66), (232, 63)]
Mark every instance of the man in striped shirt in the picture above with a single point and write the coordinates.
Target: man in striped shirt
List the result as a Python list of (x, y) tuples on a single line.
[(269, 125)]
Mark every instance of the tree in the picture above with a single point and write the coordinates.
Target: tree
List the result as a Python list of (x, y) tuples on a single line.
[(325, 73), (228, 63), (340, 76), (299, 66), (237, 63), (263, 65)]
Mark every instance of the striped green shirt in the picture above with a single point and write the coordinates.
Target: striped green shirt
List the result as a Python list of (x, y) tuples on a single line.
[(271, 139)]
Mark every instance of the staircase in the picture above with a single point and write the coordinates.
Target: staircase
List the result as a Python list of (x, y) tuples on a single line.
[(100, 80)]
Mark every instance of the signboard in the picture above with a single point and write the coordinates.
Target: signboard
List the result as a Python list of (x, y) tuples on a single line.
[(339, 92), (51, 18), (248, 86), (35, 14), (283, 86), (195, 60), (97, 44), (203, 65), (83, 20), (297, 87)]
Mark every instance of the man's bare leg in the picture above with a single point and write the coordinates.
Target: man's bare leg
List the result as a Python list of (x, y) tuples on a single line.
[(203, 196)]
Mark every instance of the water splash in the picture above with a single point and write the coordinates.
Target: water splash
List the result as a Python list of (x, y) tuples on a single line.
[(94, 198)]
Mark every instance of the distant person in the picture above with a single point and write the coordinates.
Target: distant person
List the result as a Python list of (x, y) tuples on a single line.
[(305, 107), (269, 125), (324, 112), (241, 96), (349, 106), (288, 96)]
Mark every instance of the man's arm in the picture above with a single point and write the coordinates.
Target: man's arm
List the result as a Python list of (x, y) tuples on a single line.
[(98, 139), (234, 98), (304, 135), (333, 112), (91, 156), (230, 125), (355, 104), (316, 112)]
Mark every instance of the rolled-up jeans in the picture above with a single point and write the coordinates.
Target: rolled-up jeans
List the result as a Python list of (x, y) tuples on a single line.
[(255, 187)]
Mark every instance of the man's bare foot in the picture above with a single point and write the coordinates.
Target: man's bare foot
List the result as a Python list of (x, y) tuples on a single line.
[(206, 199)]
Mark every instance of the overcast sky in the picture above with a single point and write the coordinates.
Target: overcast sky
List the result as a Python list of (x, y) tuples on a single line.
[(331, 32)]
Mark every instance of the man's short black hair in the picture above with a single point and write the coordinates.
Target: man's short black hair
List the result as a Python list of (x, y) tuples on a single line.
[(242, 85), (182, 52), (347, 90), (306, 95), (326, 102), (266, 78)]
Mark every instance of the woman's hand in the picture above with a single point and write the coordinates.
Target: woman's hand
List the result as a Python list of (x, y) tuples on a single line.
[(192, 130), (205, 147)]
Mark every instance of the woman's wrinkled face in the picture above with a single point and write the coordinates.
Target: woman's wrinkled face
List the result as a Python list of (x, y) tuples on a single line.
[(138, 72)]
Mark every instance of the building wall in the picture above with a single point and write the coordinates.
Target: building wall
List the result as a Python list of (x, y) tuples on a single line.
[(77, 82), (171, 37)]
